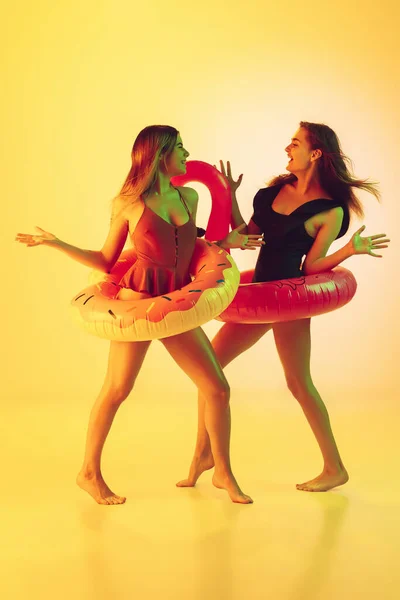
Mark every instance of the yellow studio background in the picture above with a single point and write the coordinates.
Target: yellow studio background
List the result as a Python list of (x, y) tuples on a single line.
[(80, 79)]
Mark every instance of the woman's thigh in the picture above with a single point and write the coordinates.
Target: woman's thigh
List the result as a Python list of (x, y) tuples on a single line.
[(124, 362), (193, 352), (293, 342), (235, 338)]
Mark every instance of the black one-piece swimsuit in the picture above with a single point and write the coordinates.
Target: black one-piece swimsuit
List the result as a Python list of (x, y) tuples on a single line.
[(286, 239)]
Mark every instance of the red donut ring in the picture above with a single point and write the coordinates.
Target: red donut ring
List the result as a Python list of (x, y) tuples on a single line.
[(289, 299)]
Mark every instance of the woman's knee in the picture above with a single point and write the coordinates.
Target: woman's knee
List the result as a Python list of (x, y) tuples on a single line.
[(218, 391), (300, 387), (117, 392)]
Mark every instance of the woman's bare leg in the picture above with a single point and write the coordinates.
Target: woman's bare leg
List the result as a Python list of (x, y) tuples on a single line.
[(293, 342), (124, 363), (231, 340), (193, 352)]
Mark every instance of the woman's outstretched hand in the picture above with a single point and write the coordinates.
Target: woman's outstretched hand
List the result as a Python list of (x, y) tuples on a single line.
[(43, 237), (235, 239), (366, 245), (228, 174)]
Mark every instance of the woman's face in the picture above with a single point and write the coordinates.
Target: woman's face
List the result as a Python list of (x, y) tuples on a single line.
[(175, 162), (299, 152)]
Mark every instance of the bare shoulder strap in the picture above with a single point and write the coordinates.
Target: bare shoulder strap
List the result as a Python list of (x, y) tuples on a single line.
[(184, 203)]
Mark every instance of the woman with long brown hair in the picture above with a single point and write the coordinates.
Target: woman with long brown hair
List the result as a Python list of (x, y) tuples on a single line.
[(160, 220), (300, 214)]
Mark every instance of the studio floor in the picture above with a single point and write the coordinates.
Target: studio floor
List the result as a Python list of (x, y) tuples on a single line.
[(171, 543)]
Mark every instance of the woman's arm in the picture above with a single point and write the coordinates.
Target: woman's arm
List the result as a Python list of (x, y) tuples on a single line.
[(102, 260), (251, 228), (236, 215), (316, 260), (245, 237), (235, 239)]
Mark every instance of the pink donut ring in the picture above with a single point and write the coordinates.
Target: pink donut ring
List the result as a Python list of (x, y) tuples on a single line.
[(289, 299), (216, 280)]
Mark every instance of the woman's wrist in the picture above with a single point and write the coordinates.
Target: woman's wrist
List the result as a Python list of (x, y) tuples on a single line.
[(56, 243), (350, 248)]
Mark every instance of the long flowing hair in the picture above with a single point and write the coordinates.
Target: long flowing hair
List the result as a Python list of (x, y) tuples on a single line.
[(334, 168), (150, 144)]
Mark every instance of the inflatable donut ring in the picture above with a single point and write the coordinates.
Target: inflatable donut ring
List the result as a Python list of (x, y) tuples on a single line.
[(289, 299), (216, 279)]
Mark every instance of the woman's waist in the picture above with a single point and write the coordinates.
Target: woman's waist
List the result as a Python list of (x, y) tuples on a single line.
[(280, 256), (153, 278), (282, 247), (170, 264), (278, 266)]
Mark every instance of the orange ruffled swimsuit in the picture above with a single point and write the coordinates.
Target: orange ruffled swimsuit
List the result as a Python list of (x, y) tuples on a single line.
[(164, 252)]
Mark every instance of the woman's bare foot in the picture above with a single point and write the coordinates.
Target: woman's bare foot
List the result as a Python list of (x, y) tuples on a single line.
[(229, 483), (198, 466), (98, 489), (324, 482)]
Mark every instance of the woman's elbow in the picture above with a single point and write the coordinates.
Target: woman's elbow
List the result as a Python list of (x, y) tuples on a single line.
[(309, 269), (314, 268), (104, 265)]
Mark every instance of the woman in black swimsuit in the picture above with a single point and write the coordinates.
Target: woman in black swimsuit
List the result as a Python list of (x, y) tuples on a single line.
[(300, 214)]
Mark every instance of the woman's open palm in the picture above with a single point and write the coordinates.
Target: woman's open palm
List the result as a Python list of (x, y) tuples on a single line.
[(366, 245), (228, 174), (35, 240)]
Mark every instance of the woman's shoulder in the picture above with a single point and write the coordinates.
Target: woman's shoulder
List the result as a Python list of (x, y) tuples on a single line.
[(335, 214), (119, 202), (118, 205), (267, 194), (188, 193), (124, 207)]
